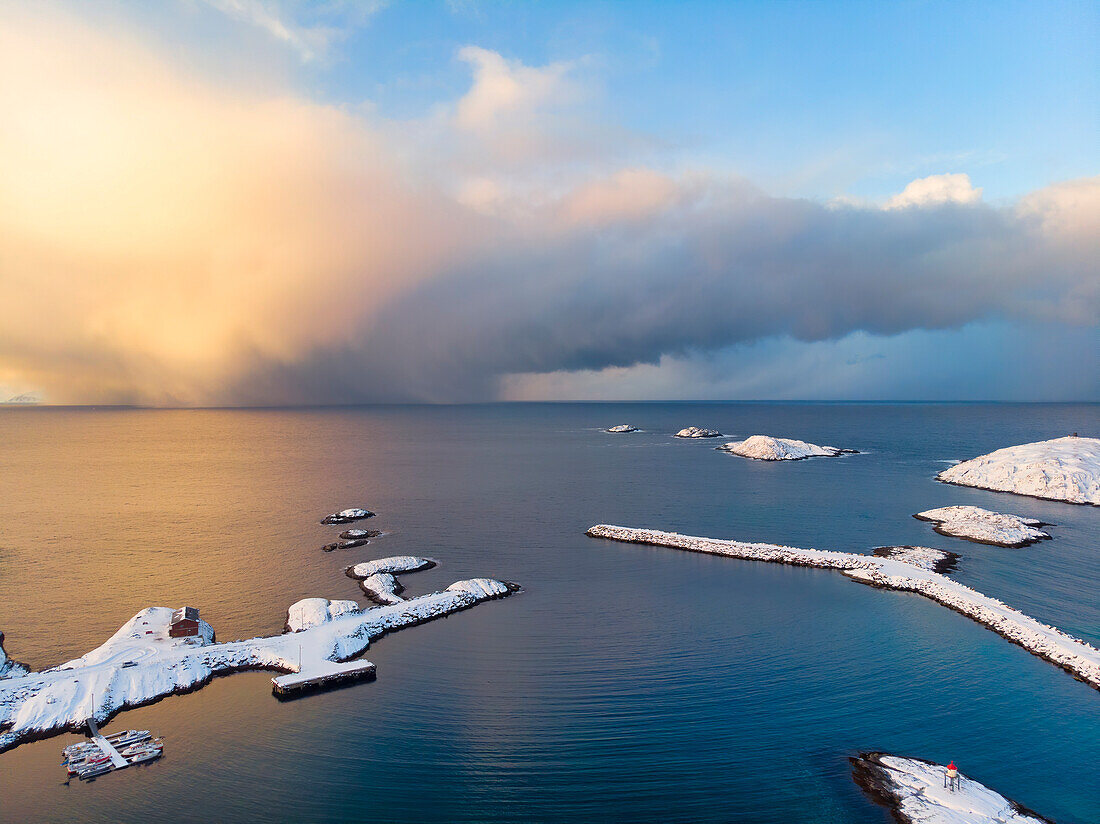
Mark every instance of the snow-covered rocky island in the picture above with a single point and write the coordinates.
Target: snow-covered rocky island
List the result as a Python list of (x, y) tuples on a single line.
[(898, 572), (984, 527), (1062, 469), (698, 432), (346, 516), (143, 662), (767, 448), (918, 792), (622, 429)]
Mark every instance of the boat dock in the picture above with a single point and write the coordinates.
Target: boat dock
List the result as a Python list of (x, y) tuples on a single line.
[(107, 753), (105, 745)]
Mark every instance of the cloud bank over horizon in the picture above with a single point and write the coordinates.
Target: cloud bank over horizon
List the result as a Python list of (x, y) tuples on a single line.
[(169, 240)]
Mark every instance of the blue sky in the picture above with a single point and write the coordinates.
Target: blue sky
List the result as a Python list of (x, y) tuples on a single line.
[(550, 200), (811, 99)]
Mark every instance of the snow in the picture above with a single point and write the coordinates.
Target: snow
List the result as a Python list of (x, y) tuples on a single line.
[(481, 588), (1062, 469), (312, 612), (1071, 654), (326, 634), (346, 515), (623, 427), (393, 565), (984, 527), (382, 588), (696, 432), (767, 448), (925, 557), (915, 789)]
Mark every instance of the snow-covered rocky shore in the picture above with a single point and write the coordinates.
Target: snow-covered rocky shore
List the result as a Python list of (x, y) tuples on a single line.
[(925, 557), (984, 527), (8, 667), (622, 429), (767, 448), (916, 792), (1075, 656), (142, 662), (698, 432), (1062, 469)]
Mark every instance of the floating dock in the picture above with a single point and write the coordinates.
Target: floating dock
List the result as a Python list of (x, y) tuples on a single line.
[(106, 746)]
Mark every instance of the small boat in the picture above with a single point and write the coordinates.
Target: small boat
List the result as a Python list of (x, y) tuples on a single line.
[(140, 746), (144, 753), (95, 770)]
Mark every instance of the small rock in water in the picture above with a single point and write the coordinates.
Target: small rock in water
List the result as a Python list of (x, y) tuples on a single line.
[(346, 516), (698, 432), (352, 534), (622, 428)]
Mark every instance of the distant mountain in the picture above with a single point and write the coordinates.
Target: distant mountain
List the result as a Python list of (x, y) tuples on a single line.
[(27, 397)]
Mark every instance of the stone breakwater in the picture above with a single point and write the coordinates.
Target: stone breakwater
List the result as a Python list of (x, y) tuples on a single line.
[(1074, 655)]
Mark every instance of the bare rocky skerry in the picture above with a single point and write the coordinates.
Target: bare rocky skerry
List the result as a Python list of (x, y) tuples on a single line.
[(1074, 655)]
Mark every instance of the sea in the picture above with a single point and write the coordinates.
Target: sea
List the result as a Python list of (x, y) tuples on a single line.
[(622, 683)]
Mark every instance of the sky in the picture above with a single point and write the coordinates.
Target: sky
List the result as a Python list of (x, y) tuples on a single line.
[(252, 202)]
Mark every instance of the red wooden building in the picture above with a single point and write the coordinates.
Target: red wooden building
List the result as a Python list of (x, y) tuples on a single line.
[(185, 622)]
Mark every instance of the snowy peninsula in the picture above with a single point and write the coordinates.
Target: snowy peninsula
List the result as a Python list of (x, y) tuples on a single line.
[(916, 792), (697, 432), (1062, 469), (984, 527), (767, 448), (1077, 657), (622, 428), (143, 662)]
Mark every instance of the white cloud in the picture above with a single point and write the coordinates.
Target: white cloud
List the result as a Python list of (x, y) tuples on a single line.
[(508, 88), (936, 190)]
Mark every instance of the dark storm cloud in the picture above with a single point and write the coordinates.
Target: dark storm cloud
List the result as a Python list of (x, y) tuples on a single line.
[(722, 265)]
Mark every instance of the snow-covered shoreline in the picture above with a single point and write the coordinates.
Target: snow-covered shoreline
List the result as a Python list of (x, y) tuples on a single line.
[(1074, 655), (141, 663), (768, 448), (981, 526), (915, 792), (1062, 469)]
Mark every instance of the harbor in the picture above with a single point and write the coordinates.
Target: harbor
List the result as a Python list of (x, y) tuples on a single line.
[(107, 753)]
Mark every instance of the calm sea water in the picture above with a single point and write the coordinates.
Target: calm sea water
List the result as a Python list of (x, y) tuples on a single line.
[(623, 683)]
